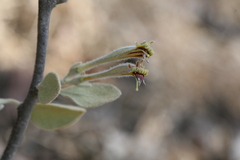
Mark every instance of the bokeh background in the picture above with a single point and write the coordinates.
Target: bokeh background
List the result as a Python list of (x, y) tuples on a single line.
[(190, 107)]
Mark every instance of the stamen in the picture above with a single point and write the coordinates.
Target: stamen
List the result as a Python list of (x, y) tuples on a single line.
[(144, 56), (144, 82), (137, 85)]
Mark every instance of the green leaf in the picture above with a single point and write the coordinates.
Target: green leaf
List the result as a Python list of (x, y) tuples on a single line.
[(8, 101), (55, 116), (91, 96), (49, 88)]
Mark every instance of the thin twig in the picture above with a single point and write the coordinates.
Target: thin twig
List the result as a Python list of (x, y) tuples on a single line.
[(25, 109)]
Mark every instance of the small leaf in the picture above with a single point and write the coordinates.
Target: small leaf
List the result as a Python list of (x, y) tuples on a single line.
[(49, 88), (55, 116), (91, 96), (8, 101)]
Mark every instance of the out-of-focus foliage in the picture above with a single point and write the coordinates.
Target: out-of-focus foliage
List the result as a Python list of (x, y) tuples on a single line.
[(189, 108)]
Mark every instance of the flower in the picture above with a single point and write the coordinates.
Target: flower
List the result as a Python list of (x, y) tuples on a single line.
[(121, 70), (139, 73), (139, 80), (142, 51), (146, 49)]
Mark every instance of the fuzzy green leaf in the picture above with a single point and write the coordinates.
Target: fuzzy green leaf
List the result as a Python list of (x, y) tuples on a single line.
[(49, 88), (91, 96), (8, 101), (55, 116)]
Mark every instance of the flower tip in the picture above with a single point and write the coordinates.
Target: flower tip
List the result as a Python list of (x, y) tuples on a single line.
[(151, 42), (145, 48)]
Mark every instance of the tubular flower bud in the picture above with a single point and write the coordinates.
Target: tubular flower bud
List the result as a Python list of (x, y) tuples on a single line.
[(142, 50), (121, 70)]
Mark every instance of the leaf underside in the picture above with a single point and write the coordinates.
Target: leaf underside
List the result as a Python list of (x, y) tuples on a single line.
[(91, 96), (55, 116)]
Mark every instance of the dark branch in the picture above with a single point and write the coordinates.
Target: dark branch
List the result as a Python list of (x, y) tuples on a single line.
[(25, 109), (61, 1)]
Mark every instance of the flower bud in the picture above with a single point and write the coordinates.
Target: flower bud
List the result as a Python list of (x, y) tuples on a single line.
[(142, 50), (121, 70)]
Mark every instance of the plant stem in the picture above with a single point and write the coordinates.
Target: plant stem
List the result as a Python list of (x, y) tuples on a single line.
[(25, 109)]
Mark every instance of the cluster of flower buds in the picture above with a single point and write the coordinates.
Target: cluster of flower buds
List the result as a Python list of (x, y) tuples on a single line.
[(142, 51)]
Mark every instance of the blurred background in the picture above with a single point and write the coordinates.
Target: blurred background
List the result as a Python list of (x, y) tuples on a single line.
[(190, 107)]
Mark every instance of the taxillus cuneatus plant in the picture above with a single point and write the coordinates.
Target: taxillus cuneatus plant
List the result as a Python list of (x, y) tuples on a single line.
[(77, 86)]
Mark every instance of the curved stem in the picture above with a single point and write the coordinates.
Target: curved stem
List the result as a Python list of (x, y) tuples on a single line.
[(25, 109)]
